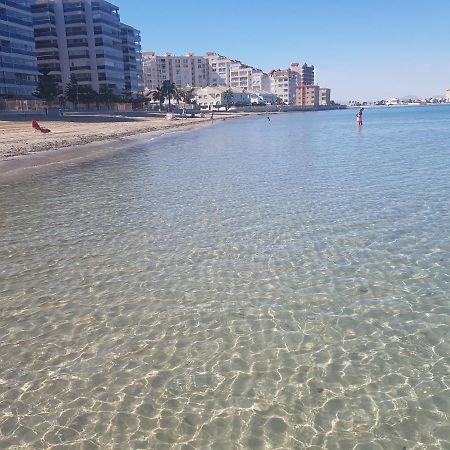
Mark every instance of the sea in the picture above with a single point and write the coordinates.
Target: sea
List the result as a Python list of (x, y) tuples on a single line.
[(254, 284)]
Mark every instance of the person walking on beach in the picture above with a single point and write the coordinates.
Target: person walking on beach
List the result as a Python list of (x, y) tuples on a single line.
[(359, 116)]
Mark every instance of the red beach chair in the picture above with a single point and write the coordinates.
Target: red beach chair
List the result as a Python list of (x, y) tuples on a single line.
[(37, 127)]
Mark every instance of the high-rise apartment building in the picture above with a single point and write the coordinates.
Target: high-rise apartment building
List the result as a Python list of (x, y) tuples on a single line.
[(305, 73), (260, 81), (283, 83), (132, 60), (224, 71), (82, 39), (218, 69), (18, 69), (186, 70)]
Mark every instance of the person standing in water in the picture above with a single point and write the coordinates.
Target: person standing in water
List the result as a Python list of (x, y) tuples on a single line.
[(359, 116)]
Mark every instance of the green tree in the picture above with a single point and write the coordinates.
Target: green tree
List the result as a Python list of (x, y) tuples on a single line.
[(158, 95), (188, 95), (106, 95), (178, 95), (72, 91), (169, 89), (227, 96), (47, 88)]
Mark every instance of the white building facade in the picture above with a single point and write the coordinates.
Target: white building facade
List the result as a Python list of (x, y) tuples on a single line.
[(283, 83), (324, 96), (186, 70), (214, 97)]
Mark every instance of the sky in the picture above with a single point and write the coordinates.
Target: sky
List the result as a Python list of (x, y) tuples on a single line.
[(362, 50)]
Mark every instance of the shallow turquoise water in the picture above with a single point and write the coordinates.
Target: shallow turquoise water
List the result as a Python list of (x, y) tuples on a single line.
[(254, 284)]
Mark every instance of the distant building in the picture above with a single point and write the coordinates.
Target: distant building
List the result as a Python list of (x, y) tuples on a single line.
[(82, 39), (307, 95), (201, 71), (283, 83), (132, 60), (18, 67), (447, 96), (213, 96), (305, 74), (262, 97), (218, 69), (187, 70), (324, 96), (240, 75), (260, 81), (393, 101)]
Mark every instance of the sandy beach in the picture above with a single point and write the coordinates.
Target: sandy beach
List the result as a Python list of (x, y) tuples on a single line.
[(18, 138), (80, 136)]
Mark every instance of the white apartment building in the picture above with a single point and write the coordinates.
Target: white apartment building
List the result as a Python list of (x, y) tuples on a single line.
[(219, 69), (82, 39), (187, 70), (324, 96), (200, 71), (260, 81), (283, 83), (224, 71), (240, 75)]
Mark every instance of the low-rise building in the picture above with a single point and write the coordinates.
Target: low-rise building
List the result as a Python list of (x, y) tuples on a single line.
[(324, 96), (213, 97), (18, 66), (258, 97), (447, 96)]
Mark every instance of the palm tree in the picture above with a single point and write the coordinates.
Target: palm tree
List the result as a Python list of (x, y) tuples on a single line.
[(227, 96), (158, 95), (188, 95), (47, 88), (169, 90), (178, 95)]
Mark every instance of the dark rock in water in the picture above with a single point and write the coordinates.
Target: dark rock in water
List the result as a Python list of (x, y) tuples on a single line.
[(320, 390)]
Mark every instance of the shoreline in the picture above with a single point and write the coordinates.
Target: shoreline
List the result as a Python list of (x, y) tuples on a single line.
[(38, 159)]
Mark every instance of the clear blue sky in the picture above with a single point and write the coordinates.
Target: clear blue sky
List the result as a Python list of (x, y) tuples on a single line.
[(362, 50)]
